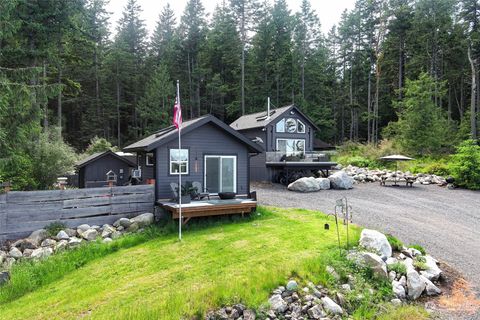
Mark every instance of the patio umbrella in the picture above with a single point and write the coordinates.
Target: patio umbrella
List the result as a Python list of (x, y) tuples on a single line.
[(396, 158)]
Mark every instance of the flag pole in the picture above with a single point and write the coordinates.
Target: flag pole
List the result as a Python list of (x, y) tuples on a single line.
[(179, 172)]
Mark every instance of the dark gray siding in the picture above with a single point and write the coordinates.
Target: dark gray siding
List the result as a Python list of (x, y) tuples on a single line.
[(258, 170), (94, 174), (205, 140), (148, 172), (309, 134)]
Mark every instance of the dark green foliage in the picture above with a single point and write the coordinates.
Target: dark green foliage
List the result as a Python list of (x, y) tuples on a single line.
[(396, 244), (465, 165), (54, 228), (398, 267), (418, 247), (99, 145)]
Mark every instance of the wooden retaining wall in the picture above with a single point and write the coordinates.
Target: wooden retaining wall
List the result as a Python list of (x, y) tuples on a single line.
[(22, 212)]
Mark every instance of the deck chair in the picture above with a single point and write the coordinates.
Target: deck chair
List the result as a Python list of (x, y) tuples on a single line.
[(174, 188), (199, 194)]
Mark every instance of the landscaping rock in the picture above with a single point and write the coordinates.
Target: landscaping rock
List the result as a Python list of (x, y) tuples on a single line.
[(331, 306), (116, 234), (71, 232), (323, 183), (340, 180), (3, 257), (41, 253), (48, 243), (90, 234), (122, 222), (430, 288), (62, 235), (107, 231), (433, 272), (292, 285), (107, 240), (61, 245), (377, 241), (415, 285), (277, 304), (316, 312), (27, 253), (398, 290), (374, 262), (38, 236), (8, 263), (305, 184), (4, 277), (249, 315), (143, 220), (396, 302), (81, 229), (23, 244), (74, 241), (133, 227), (15, 253)]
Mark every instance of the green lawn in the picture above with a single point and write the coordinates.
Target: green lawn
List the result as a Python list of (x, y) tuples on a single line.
[(232, 261)]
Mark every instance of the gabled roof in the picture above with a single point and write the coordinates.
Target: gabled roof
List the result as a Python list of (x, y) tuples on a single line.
[(168, 134), (99, 155), (260, 119)]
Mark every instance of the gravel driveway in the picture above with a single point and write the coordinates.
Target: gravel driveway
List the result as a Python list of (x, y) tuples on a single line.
[(446, 222)]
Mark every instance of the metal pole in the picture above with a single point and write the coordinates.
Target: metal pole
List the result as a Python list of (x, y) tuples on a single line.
[(179, 170)]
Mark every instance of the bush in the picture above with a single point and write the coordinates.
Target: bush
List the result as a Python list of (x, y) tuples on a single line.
[(396, 244), (99, 145), (366, 155), (465, 165), (419, 248), (398, 267)]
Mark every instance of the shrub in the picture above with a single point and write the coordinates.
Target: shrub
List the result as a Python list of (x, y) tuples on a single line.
[(398, 267), (54, 227), (419, 248), (396, 244), (420, 265), (99, 145), (465, 165)]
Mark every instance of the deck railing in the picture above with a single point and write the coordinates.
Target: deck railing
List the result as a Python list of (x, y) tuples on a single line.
[(307, 156)]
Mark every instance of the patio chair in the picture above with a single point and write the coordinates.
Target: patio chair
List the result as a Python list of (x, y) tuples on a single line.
[(199, 194)]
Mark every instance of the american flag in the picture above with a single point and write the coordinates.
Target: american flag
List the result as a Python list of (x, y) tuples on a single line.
[(177, 113)]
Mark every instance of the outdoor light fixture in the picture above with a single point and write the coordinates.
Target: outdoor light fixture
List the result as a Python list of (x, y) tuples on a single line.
[(327, 226)]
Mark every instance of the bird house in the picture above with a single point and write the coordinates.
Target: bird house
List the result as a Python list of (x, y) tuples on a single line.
[(111, 178)]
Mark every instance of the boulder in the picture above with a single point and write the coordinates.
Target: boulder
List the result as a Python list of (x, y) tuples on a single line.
[(396, 302), (433, 272), (82, 228), (292, 285), (38, 236), (61, 245), (3, 257), (143, 220), (277, 304), (15, 253), (305, 184), (430, 288), (107, 231), (23, 244), (116, 234), (316, 312), (415, 285), (398, 290), (71, 232), (377, 241), (27, 253), (323, 183), (74, 241), (341, 180), (42, 253), (90, 234), (48, 243), (373, 261), (133, 227), (122, 222), (62, 235), (331, 306)]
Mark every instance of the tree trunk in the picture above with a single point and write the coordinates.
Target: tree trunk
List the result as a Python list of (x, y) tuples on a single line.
[(118, 106), (400, 69), (369, 107), (45, 119), (59, 99), (473, 109)]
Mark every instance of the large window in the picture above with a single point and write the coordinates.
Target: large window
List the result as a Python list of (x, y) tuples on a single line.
[(290, 125), (291, 146), (220, 174), (178, 161)]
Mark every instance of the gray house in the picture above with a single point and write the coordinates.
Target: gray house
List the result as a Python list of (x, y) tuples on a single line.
[(287, 138), (92, 171), (212, 153)]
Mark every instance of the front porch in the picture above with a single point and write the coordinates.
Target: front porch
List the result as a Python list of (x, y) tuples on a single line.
[(206, 208)]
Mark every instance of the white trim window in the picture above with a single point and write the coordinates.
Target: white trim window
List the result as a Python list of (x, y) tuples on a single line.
[(149, 159), (280, 127), (178, 161), (300, 127), (220, 173), (290, 125), (291, 146)]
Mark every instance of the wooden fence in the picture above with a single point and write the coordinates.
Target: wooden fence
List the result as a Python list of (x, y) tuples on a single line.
[(22, 212)]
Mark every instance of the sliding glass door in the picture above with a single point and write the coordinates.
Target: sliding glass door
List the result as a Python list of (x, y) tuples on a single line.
[(220, 174)]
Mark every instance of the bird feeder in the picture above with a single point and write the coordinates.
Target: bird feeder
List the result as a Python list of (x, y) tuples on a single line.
[(111, 178)]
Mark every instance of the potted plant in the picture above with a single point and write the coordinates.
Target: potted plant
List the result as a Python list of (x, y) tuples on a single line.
[(187, 191)]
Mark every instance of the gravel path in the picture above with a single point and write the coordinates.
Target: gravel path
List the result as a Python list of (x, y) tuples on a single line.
[(446, 222)]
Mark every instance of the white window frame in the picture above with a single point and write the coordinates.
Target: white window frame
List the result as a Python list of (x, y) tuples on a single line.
[(277, 125), (170, 161), (221, 157), (303, 124), (149, 155), (295, 144)]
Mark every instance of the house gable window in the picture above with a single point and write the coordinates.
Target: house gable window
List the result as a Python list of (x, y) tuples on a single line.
[(149, 160), (290, 125), (291, 146), (178, 161)]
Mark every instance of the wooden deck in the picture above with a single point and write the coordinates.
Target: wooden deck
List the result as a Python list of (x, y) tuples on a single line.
[(207, 208)]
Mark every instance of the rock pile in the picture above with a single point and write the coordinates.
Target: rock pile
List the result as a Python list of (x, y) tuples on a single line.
[(362, 175), (338, 180), (40, 245), (411, 273)]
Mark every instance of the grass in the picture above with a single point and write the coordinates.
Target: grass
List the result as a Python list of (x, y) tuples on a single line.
[(395, 243), (154, 276), (398, 267), (419, 248)]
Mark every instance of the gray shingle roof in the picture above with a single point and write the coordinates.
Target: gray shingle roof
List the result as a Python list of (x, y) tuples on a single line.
[(259, 119), (165, 135), (98, 155)]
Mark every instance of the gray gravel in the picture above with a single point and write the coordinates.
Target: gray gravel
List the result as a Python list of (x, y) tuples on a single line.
[(446, 222)]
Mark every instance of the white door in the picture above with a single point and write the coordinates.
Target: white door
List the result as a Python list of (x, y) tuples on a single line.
[(220, 174)]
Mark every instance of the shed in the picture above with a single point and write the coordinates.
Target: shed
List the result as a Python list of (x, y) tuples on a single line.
[(212, 153), (92, 171)]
